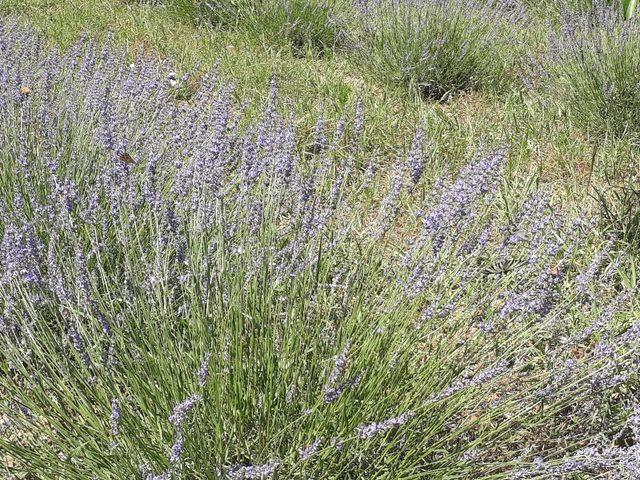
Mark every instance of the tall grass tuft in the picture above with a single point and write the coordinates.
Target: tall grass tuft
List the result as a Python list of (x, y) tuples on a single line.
[(619, 205), (303, 25), (437, 48), (316, 25), (184, 294), (596, 71), (626, 8)]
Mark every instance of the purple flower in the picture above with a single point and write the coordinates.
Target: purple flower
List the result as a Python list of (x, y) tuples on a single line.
[(370, 430), (416, 159), (390, 205), (458, 203), (310, 450), (461, 384), (79, 344), (340, 364), (585, 280), (116, 415), (177, 449), (203, 372), (20, 255), (331, 394), (254, 472), (181, 410)]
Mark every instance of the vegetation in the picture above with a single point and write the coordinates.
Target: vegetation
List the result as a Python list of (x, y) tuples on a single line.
[(316, 239), (437, 49), (598, 71)]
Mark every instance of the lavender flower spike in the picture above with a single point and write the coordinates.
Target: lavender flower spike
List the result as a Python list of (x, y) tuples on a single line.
[(181, 410), (416, 158), (372, 429), (203, 372), (177, 449), (340, 364), (254, 472), (310, 450), (116, 415)]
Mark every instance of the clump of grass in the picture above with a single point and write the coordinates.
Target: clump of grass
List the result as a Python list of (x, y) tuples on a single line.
[(183, 297), (596, 72), (555, 7), (316, 25), (223, 13), (619, 205), (626, 8), (437, 48)]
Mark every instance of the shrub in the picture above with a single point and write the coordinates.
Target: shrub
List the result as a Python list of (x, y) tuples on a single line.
[(306, 24), (556, 7), (619, 206), (596, 71), (438, 48), (626, 8), (215, 12), (188, 11), (185, 298), (318, 25)]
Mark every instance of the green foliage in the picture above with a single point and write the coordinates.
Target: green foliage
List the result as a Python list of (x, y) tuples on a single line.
[(302, 24), (629, 7), (596, 73), (551, 8), (436, 49), (213, 12), (267, 302), (620, 210), (272, 341), (306, 24)]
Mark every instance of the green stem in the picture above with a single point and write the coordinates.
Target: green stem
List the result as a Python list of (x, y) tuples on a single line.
[(629, 8)]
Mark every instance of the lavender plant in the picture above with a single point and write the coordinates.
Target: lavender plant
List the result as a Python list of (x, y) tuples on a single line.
[(438, 48), (544, 7), (626, 8), (596, 71), (620, 210), (185, 295), (316, 25)]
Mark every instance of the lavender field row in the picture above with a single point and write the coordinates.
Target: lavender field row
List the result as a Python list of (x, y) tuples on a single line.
[(193, 290)]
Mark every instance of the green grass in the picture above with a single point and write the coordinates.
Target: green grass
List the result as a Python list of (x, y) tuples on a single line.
[(438, 50), (597, 71)]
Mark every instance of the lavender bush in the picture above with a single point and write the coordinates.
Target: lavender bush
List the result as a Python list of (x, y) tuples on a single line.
[(544, 7), (438, 48), (625, 8), (619, 205), (596, 70), (316, 25), (184, 295)]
